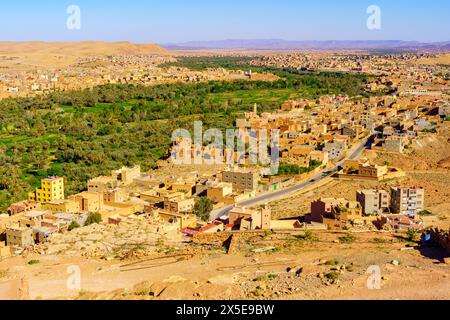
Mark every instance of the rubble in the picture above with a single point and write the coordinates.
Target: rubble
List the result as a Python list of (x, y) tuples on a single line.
[(129, 240)]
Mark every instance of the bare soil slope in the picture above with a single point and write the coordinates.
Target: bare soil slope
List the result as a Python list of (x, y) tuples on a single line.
[(23, 56)]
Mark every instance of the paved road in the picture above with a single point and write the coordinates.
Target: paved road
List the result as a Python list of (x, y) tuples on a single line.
[(288, 191)]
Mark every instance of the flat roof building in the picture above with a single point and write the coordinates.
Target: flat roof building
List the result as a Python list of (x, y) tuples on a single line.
[(241, 179), (373, 202), (52, 188), (18, 236), (407, 200)]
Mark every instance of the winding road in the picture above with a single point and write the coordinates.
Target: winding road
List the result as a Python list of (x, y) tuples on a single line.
[(276, 195)]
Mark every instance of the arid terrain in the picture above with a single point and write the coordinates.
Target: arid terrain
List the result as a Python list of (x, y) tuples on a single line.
[(28, 56), (319, 268), (443, 59)]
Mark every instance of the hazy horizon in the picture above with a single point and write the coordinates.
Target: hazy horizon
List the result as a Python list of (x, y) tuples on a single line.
[(220, 40)]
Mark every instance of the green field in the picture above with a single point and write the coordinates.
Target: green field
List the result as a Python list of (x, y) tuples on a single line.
[(10, 140), (276, 96)]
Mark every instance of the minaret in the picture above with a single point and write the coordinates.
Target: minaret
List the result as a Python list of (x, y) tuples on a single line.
[(255, 109)]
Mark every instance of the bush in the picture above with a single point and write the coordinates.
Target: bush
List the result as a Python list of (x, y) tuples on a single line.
[(266, 277), (333, 275), (31, 262), (307, 236), (203, 208), (411, 235), (314, 164), (332, 262), (93, 218), (73, 225), (425, 213), (267, 233), (349, 238), (379, 240), (292, 169)]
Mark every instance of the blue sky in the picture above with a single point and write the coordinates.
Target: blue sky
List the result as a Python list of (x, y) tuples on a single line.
[(170, 21)]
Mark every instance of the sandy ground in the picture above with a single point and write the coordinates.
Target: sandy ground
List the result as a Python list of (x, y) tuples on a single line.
[(216, 275)]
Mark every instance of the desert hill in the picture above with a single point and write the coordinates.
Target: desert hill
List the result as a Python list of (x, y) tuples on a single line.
[(17, 56)]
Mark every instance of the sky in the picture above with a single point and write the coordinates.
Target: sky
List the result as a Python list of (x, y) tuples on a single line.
[(177, 21)]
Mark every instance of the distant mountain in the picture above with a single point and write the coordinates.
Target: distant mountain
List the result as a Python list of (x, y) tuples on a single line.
[(279, 44)]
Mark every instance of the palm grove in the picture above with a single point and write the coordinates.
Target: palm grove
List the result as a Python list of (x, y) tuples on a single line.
[(86, 133)]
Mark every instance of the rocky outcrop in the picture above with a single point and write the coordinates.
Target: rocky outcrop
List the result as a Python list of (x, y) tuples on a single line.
[(441, 238)]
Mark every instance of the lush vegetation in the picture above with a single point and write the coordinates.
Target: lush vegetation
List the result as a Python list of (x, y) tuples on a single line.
[(86, 133), (83, 134), (203, 63), (203, 208), (292, 169), (307, 84)]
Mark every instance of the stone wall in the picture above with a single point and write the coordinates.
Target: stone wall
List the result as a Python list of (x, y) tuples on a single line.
[(221, 237)]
